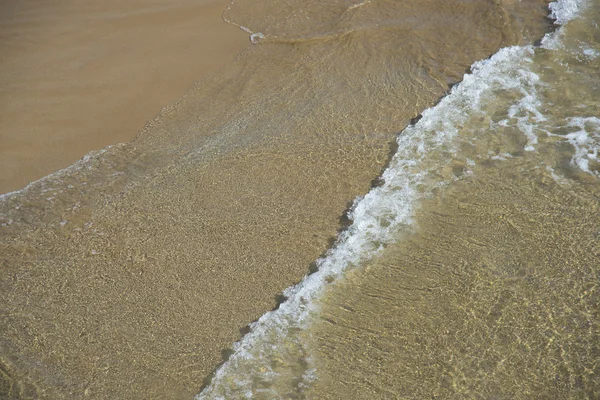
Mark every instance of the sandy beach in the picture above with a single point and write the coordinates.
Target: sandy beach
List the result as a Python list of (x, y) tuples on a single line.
[(78, 76), (131, 274)]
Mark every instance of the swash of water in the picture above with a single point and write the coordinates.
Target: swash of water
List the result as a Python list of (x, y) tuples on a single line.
[(472, 272), (125, 275)]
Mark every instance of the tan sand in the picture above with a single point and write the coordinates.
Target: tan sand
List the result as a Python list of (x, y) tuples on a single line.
[(126, 277), (80, 75)]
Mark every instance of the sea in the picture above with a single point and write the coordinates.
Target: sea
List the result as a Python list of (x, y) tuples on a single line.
[(421, 176), (471, 270)]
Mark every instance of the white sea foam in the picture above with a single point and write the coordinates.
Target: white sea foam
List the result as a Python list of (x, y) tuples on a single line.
[(425, 151), (565, 10), (585, 141), (524, 112), (591, 54), (561, 12)]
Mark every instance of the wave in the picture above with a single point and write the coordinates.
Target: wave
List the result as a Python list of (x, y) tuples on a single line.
[(427, 153)]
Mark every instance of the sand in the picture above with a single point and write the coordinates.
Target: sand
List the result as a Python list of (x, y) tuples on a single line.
[(77, 76), (128, 276)]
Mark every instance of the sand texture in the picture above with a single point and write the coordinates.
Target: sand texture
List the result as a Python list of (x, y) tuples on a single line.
[(127, 275)]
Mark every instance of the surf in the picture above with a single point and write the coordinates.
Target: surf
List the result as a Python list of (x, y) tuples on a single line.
[(274, 359)]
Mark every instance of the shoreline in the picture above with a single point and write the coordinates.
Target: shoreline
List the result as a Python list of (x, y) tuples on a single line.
[(135, 287), (78, 77)]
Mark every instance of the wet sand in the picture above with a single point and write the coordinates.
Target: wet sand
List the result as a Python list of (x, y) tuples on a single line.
[(78, 76), (127, 276)]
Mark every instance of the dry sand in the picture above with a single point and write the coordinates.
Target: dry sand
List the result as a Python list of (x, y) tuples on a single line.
[(77, 76)]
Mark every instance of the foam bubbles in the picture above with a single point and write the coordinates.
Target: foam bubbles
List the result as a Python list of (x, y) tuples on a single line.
[(565, 10), (277, 342), (561, 12), (586, 142)]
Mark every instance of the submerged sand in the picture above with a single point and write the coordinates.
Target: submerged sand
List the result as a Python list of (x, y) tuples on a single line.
[(128, 275), (494, 296), (77, 76)]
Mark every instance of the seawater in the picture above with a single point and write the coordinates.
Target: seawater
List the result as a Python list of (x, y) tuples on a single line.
[(472, 271), (131, 273)]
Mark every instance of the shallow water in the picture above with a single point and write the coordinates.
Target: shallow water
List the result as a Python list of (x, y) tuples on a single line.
[(472, 271), (495, 295), (125, 275)]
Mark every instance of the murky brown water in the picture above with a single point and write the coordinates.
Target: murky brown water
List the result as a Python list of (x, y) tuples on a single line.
[(125, 276)]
